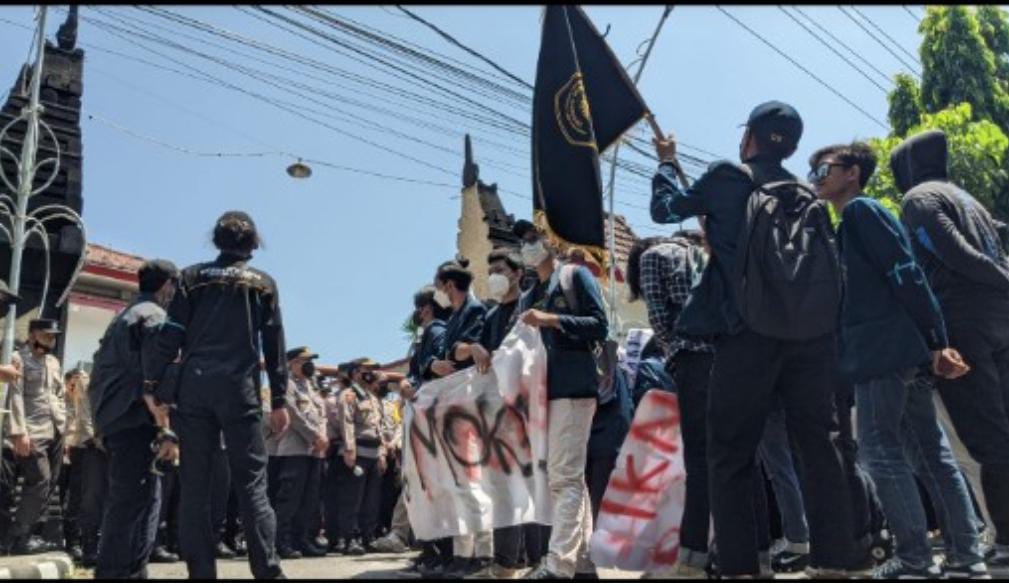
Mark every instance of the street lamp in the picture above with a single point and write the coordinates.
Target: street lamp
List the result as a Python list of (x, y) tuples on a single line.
[(27, 224), (299, 170)]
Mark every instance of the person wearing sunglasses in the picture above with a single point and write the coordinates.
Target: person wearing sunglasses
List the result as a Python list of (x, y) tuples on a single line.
[(891, 325)]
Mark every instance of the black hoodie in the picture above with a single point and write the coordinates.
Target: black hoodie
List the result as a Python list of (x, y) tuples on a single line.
[(953, 236)]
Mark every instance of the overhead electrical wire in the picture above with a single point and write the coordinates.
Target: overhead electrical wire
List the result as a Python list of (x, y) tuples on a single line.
[(880, 42), (838, 41), (880, 30), (791, 60)]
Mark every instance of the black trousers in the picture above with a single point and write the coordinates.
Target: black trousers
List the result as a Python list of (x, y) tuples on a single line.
[(691, 371), (597, 477), (510, 543), (168, 517), (748, 371), (355, 499), (205, 409), (132, 506), (978, 405), (391, 489), (220, 491), (294, 483), (39, 474), (87, 489)]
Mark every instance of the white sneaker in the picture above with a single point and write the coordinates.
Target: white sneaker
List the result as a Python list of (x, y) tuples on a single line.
[(391, 543)]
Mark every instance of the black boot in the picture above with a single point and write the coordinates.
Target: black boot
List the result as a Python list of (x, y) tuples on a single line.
[(160, 555), (224, 552), (89, 551)]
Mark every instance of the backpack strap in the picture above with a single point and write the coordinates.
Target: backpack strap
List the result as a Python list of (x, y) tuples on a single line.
[(567, 283)]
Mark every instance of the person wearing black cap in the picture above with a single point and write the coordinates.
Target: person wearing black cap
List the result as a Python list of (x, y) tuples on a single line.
[(566, 305), (751, 369), (127, 424), (34, 435), (224, 316), (295, 471)]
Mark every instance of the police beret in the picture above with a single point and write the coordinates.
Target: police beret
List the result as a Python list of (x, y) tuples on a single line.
[(301, 352), (48, 326), (777, 121)]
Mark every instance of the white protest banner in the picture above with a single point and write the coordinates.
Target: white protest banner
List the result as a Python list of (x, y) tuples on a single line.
[(638, 528), (474, 453)]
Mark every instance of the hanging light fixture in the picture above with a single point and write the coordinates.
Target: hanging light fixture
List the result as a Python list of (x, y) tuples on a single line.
[(299, 170)]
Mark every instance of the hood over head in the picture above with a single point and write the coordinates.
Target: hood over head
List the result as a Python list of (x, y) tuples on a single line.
[(919, 158)]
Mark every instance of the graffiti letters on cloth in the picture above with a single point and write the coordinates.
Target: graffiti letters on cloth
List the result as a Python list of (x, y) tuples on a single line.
[(638, 528), (475, 445)]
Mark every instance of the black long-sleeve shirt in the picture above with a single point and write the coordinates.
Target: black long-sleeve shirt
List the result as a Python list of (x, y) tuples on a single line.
[(223, 316)]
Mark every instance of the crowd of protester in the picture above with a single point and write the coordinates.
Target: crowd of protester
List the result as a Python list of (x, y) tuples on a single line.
[(809, 353)]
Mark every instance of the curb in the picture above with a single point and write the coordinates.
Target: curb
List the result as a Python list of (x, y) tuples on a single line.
[(51, 567)]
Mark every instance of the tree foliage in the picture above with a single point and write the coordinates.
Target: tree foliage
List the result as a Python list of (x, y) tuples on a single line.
[(977, 156), (964, 91)]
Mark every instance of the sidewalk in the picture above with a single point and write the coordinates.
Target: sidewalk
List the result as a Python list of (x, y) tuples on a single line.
[(44, 566)]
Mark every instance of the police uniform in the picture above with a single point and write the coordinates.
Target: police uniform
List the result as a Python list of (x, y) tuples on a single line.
[(88, 474), (357, 505), (224, 314), (36, 409), (295, 469)]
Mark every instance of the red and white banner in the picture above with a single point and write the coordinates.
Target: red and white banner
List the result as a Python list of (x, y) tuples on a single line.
[(474, 454), (638, 528)]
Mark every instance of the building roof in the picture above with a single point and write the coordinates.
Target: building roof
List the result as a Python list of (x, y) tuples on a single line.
[(107, 258)]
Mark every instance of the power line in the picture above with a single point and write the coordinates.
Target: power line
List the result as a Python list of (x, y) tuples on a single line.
[(834, 38), (909, 11), (801, 67), (832, 49), (880, 42), (455, 42), (885, 35)]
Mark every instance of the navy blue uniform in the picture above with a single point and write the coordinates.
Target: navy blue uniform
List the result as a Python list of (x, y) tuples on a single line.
[(224, 315), (122, 421)]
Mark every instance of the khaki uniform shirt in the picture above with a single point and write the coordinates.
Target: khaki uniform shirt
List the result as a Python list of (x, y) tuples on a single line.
[(37, 400)]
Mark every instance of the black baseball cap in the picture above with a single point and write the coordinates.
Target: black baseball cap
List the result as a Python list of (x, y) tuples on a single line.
[(776, 122)]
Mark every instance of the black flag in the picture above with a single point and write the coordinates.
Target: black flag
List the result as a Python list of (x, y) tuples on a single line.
[(583, 102)]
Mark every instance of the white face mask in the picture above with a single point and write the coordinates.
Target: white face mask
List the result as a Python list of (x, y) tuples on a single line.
[(441, 298), (534, 254), (498, 286)]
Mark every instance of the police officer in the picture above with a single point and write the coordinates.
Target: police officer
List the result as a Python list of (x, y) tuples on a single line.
[(296, 469), (223, 317), (338, 529), (34, 433), (88, 472), (127, 425), (363, 459)]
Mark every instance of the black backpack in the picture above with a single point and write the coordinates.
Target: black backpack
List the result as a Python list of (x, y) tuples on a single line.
[(788, 279)]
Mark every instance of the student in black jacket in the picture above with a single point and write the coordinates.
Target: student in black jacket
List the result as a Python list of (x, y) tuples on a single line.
[(891, 325), (751, 370), (224, 317), (963, 255)]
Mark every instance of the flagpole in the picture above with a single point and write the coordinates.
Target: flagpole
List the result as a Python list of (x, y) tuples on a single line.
[(613, 175)]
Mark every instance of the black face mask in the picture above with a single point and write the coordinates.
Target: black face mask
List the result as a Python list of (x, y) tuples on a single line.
[(308, 369), (368, 378), (43, 347)]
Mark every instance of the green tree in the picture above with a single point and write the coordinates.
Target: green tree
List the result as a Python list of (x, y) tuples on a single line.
[(957, 64), (977, 159), (409, 328), (905, 104)]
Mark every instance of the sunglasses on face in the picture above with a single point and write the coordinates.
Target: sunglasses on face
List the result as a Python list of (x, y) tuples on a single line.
[(820, 172)]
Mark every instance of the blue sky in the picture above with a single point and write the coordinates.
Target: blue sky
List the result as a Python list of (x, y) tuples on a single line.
[(348, 250)]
